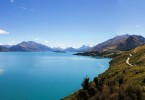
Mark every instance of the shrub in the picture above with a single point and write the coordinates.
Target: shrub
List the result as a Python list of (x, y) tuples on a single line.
[(82, 95), (96, 81), (114, 96), (85, 84), (111, 85), (91, 91), (143, 80), (100, 85), (133, 93), (120, 80), (105, 94), (123, 71)]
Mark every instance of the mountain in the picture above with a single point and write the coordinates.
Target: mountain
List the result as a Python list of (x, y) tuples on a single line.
[(3, 49), (123, 43), (70, 49), (138, 57), (128, 79), (7, 46), (57, 49), (29, 46), (115, 46), (84, 48)]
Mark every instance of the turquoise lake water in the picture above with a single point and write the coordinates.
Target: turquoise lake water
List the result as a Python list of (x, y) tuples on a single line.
[(45, 75)]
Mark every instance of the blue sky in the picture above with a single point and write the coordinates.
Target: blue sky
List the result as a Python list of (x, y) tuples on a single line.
[(69, 22)]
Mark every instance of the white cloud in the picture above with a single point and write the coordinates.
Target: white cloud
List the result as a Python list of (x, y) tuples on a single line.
[(36, 39), (46, 41), (12, 43), (3, 31), (12, 1)]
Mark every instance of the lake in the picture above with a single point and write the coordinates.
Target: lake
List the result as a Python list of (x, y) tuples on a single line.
[(45, 75)]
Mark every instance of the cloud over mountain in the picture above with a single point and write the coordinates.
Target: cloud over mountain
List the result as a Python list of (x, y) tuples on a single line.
[(3, 31)]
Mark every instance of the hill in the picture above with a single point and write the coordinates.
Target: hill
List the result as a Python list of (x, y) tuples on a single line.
[(120, 82), (83, 48), (115, 46), (123, 43), (70, 49), (3, 49), (138, 57), (29, 46)]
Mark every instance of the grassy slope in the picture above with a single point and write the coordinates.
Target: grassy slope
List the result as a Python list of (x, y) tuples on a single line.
[(132, 74)]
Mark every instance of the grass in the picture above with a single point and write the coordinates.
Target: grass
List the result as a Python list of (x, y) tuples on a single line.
[(132, 75)]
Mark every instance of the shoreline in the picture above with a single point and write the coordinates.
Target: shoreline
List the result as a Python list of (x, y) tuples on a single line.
[(130, 77), (71, 94)]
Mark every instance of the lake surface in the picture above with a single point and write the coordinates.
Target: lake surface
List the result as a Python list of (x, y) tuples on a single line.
[(45, 75)]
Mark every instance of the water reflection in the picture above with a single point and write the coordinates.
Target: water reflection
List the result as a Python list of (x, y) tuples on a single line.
[(1, 70)]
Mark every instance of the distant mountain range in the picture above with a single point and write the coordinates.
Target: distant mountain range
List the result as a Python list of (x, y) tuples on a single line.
[(3, 49), (115, 46), (83, 48), (127, 68), (32, 46), (29, 46), (118, 43)]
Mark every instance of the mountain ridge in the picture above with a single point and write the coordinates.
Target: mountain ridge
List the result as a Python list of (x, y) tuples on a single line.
[(115, 46), (122, 42), (119, 82), (29, 46), (118, 43)]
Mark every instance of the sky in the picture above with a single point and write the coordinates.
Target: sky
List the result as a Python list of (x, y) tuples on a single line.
[(64, 23)]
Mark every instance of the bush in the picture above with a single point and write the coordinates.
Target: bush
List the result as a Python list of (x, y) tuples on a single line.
[(143, 81), (123, 71), (91, 91), (114, 96), (98, 86), (82, 95), (85, 84), (99, 83), (111, 85), (105, 94), (133, 93), (120, 80), (96, 81)]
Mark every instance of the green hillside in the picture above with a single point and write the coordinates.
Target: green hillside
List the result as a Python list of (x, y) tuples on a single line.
[(120, 82)]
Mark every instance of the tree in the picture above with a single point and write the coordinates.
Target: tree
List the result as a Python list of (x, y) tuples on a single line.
[(120, 81), (85, 84), (82, 95), (96, 81), (133, 93), (91, 91)]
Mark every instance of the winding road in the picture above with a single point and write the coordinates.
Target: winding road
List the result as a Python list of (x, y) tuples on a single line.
[(127, 61)]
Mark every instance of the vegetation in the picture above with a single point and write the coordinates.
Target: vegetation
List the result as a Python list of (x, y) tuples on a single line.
[(85, 84), (119, 82)]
